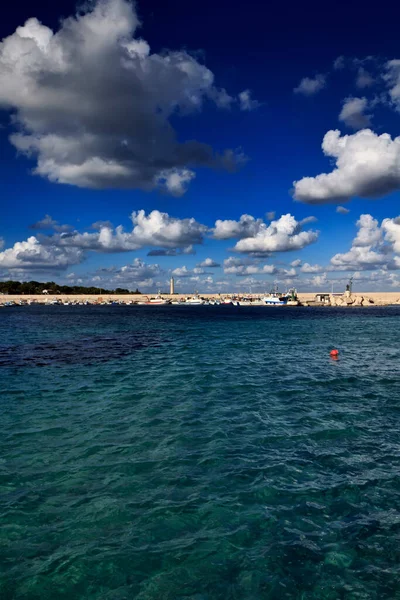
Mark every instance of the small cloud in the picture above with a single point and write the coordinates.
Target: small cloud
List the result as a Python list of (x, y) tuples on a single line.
[(296, 263), (353, 113), (208, 263), (245, 101), (309, 86), (307, 220), (339, 63), (342, 210), (100, 224), (364, 79), (270, 215), (49, 223), (307, 268)]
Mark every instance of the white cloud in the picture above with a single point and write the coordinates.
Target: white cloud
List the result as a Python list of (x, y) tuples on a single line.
[(175, 181), (208, 263), (137, 274), (367, 165), (358, 257), (342, 210), (307, 268), (245, 101), (155, 229), (392, 78), (369, 233), (182, 272), (245, 227), (235, 266), (281, 235), (138, 270), (319, 281), (92, 104), (309, 86), (372, 247), (391, 229), (34, 256), (296, 263), (353, 113)]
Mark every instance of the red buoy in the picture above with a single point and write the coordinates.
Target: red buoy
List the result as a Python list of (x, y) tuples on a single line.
[(334, 353)]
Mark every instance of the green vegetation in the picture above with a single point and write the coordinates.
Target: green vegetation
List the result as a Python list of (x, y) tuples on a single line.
[(37, 287)]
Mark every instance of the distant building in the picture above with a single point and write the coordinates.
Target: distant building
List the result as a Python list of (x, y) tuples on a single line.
[(172, 286)]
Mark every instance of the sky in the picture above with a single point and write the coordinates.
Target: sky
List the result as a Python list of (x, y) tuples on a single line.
[(231, 147)]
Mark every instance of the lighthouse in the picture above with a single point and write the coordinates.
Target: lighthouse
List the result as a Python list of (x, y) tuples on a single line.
[(172, 286)]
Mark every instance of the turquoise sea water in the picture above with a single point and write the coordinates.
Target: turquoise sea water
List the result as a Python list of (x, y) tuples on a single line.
[(202, 453)]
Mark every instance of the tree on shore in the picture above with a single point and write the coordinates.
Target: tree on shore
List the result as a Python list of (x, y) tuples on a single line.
[(27, 288)]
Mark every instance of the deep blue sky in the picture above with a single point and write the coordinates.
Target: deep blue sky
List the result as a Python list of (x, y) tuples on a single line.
[(267, 48)]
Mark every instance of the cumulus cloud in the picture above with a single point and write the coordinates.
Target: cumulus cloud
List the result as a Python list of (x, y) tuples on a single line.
[(32, 255), (296, 263), (367, 165), (245, 101), (372, 247), (369, 232), (185, 272), (156, 229), (319, 281), (307, 268), (353, 113), (138, 270), (92, 104), (281, 235), (309, 86), (208, 263), (342, 210), (229, 229), (358, 257), (392, 78), (391, 230), (235, 266), (137, 274)]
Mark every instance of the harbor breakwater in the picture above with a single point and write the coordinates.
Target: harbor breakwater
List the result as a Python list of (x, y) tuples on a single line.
[(308, 298)]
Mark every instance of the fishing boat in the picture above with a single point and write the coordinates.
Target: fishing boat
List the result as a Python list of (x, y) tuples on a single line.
[(274, 298), (292, 299), (156, 300), (194, 300)]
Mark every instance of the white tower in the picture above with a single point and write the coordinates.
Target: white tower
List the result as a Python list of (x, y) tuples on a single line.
[(172, 286)]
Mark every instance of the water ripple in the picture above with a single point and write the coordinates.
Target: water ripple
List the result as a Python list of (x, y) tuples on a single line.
[(200, 454)]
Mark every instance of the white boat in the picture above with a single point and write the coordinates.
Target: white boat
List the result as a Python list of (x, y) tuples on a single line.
[(274, 299), (157, 300), (292, 299), (194, 300)]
